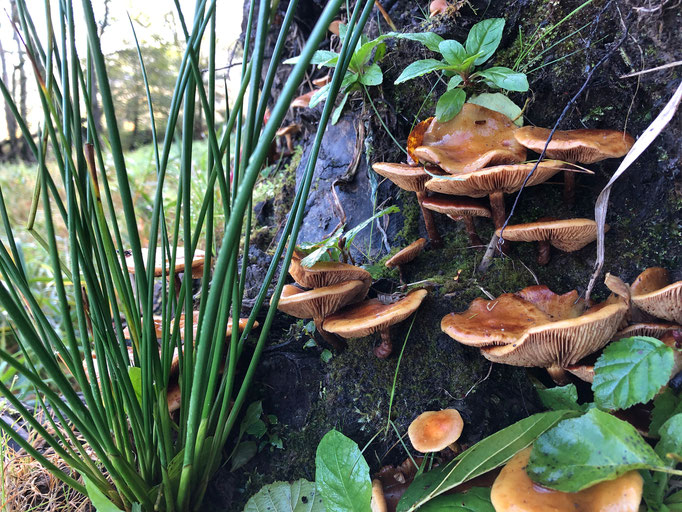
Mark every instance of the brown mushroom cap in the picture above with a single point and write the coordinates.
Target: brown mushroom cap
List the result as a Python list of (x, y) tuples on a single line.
[(326, 273), (303, 101), (475, 138), (654, 330), (584, 372), (197, 262), (514, 491), (581, 146), (321, 82), (433, 431), (372, 315), (404, 176), (320, 302), (456, 207), (407, 254), (415, 138), (566, 235), (653, 293), (500, 178), (288, 130)]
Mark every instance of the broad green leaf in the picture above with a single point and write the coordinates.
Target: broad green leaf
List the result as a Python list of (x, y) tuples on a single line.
[(454, 82), (671, 440), (580, 452), (674, 499), (631, 371), (372, 75), (476, 499), (337, 111), (484, 38), (320, 249), (505, 78), (342, 474), (453, 52), (484, 456), (348, 80), (449, 104), (135, 375), (666, 405), (320, 95), (353, 232), (419, 68), (98, 499), (298, 496), (499, 103), (428, 39), (561, 398), (251, 417), (363, 54), (380, 53), (244, 452), (469, 61), (321, 57), (174, 469)]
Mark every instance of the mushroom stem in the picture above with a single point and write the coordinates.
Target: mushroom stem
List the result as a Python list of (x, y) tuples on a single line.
[(569, 188), (544, 250), (336, 343), (498, 211), (430, 224), (386, 347), (471, 230), (558, 375)]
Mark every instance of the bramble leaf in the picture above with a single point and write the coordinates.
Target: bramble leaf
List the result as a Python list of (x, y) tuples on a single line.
[(561, 398), (298, 496)]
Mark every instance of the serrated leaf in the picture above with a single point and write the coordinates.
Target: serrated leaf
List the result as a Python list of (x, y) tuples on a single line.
[(244, 452), (666, 404), (342, 474), (419, 68), (561, 398), (505, 78), (484, 456), (484, 38), (580, 452), (631, 371), (671, 440), (453, 52), (454, 82), (450, 104), (499, 103), (476, 499), (98, 499), (372, 75), (298, 496), (428, 39)]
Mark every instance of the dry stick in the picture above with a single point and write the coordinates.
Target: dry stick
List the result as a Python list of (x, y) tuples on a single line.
[(601, 206), (485, 263), (651, 70)]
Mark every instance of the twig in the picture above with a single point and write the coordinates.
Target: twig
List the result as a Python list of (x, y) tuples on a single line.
[(651, 70)]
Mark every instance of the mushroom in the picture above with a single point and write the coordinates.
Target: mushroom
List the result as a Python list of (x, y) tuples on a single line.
[(437, 7), (334, 27), (321, 82), (406, 255), (321, 302), (653, 293), (575, 146), (566, 235), (411, 179), (495, 182), (536, 327), (287, 132), (433, 431), (373, 315), (325, 273), (303, 101), (378, 503), (459, 209), (475, 138), (514, 491)]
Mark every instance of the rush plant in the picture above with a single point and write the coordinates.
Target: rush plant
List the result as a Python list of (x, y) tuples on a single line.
[(109, 418)]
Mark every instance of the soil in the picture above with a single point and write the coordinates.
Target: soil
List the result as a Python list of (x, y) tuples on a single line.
[(310, 394)]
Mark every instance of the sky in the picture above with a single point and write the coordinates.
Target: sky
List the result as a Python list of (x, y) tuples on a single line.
[(153, 19)]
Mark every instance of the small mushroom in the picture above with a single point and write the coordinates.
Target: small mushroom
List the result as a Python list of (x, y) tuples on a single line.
[(321, 302), (373, 315), (475, 138), (378, 502), (514, 491), (411, 179), (459, 209), (321, 82), (406, 255), (325, 273), (287, 132), (566, 235), (438, 7), (303, 101), (582, 146), (653, 293), (334, 27), (433, 431)]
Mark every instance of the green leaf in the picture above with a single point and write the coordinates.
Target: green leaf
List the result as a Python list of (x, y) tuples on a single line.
[(251, 417), (499, 103), (372, 75), (342, 474), (244, 452), (561, 398), (454, 82), (320, 57), (353, 232), (505, 78), (484, 456), (326, 355), (584, 451), (363, 54), (449, 104), (320, 249), (428, 39), (337, 111), (484, 38), (671, 440), (476, 499), (380, 53), (298, 496), (135, 375), (666, 405), (98, 499), (453, 52), (631, 371), (320, 95), (419, 68), (674, 499)]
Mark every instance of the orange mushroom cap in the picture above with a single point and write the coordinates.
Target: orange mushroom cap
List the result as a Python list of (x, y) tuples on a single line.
[(404, 176), (197, 265), (407, 254), (456, 207), (653, 293), (320, 302), (566, 235), (433, 431), (326, 273)]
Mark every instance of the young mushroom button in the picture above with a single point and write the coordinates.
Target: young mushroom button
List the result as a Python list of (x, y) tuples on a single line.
[(406, 255), (433, 431), (373, 315)]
